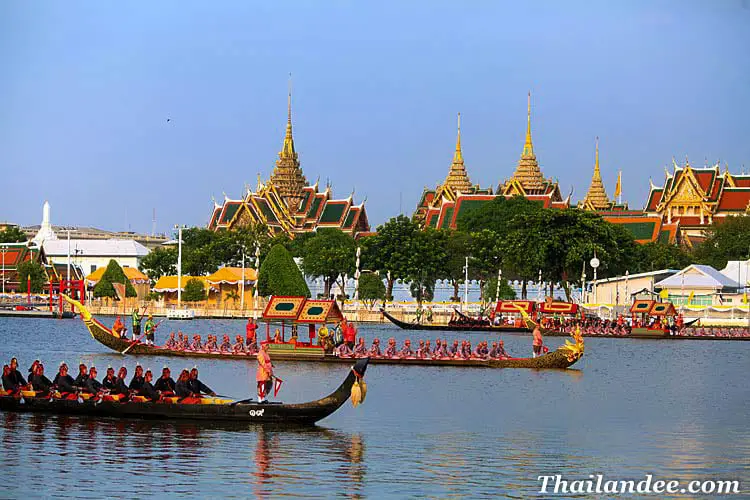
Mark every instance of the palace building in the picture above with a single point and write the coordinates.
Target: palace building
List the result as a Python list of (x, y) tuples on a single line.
[(440, 207), (287, 203)]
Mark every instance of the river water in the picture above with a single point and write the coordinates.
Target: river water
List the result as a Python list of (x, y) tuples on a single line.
[(677, 410)]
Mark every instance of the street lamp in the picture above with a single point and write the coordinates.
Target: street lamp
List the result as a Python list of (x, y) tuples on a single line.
[(179, 263), (466, 284), (594, 264), (4, 248)]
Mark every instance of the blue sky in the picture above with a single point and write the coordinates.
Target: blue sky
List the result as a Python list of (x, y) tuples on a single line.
[(86, 89)]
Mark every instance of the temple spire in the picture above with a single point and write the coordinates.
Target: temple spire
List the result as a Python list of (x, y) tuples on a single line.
[(458, 178), (527, 174), (287, 175), (596, 198), (528, 147)]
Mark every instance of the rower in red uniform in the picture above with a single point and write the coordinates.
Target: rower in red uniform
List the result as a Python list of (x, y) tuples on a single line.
[(391, 350), (361, 349), (350, 334), (406, 351), (226, 346), (420, 350)]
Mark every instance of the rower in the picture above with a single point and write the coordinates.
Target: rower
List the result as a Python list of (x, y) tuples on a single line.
[(211, 343), (264, 374), (391, 350), (182, 387), (196, 345), (7, 384), (15, 376), (147, 390), (63, 381), (120, 386), (226, 346), (150, 328), (453, 349), (165, 382), (375, 348), (171, 343), (137, 381), (427, 349), (198, 387), (501, 350), (538, 342), (361, 348), (32, 369), (406, 351), (92, 385), (39, 382), (83, 375), (420, 349), (110, 381), (343, 351), (239, 346)]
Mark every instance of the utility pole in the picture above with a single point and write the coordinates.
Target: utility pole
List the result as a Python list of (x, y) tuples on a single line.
[(466, 284), (179, 265)]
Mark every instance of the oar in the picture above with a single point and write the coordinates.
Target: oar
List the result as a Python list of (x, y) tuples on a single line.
[(134, 342)]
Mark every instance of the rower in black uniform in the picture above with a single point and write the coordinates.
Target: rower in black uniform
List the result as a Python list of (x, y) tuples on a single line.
[(198, 387), (63, 381), (15, 376), (39, 382), (120, 387), (83, 376), (147, 389), (137, 382), (110, 381), (165, 383), (92, 385)]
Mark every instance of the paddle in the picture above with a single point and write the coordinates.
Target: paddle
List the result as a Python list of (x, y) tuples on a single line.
[(134, 342)]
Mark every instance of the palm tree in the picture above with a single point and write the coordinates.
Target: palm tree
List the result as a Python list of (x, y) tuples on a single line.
[(233, 296)]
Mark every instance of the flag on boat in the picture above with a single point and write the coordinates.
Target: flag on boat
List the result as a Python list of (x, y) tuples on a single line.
[(120, 289), (277, 386)]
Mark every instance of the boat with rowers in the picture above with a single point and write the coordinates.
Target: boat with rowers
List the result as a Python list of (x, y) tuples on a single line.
[(508, 316), (206, 408), (299, 312)]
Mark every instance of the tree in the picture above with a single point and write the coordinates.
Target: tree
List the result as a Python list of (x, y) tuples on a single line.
[(725, 240), (12, 234), (33, 269), (195, 291), (457, 249), (427, 256), (490, 290), (279, 275), (331, 255), (113, 274), (371, 289), (657, 255), (389, 251), (497, 215), (160, 262), (233, 296)]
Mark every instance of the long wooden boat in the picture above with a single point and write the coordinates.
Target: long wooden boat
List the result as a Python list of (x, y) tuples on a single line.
[(565, 356), (455, 328), (650, 334), (210, 409)]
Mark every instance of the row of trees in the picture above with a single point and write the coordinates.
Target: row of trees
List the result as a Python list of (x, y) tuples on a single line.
[(515, 235)]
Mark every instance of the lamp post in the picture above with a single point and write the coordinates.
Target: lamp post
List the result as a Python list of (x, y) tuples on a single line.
[(499, 279), (179, 263), (594, 264), (4, 248), (242, 281), (466, 284), (583, 283)]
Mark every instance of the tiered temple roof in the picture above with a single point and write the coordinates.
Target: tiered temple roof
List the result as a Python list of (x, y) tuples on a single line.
[(441, 207), (287, 203), (596, 197)]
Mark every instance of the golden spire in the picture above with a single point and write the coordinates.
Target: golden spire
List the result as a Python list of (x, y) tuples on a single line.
[(528, 147), (596, 198), (287, 175), (458, 178), (527, 173)]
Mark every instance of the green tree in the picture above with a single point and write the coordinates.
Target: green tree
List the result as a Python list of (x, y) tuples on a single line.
[(389, 251), (726, 240), (657, 255), (496, 215), (160, 262), (489, 291), (33, 269), (457, 249), (371, 289), (331, 255), (427, 256), (195, 291), (233, 296), (279, 275), (113, 274), (12, 234)]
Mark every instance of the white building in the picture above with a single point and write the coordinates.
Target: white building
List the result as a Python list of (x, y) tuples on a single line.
[(90, 255)]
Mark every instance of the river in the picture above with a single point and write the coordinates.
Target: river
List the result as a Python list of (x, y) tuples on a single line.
[(676, 410)]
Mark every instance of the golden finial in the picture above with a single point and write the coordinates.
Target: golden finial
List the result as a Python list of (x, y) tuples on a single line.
[(596, 160), (458, 156), (528, 148)]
